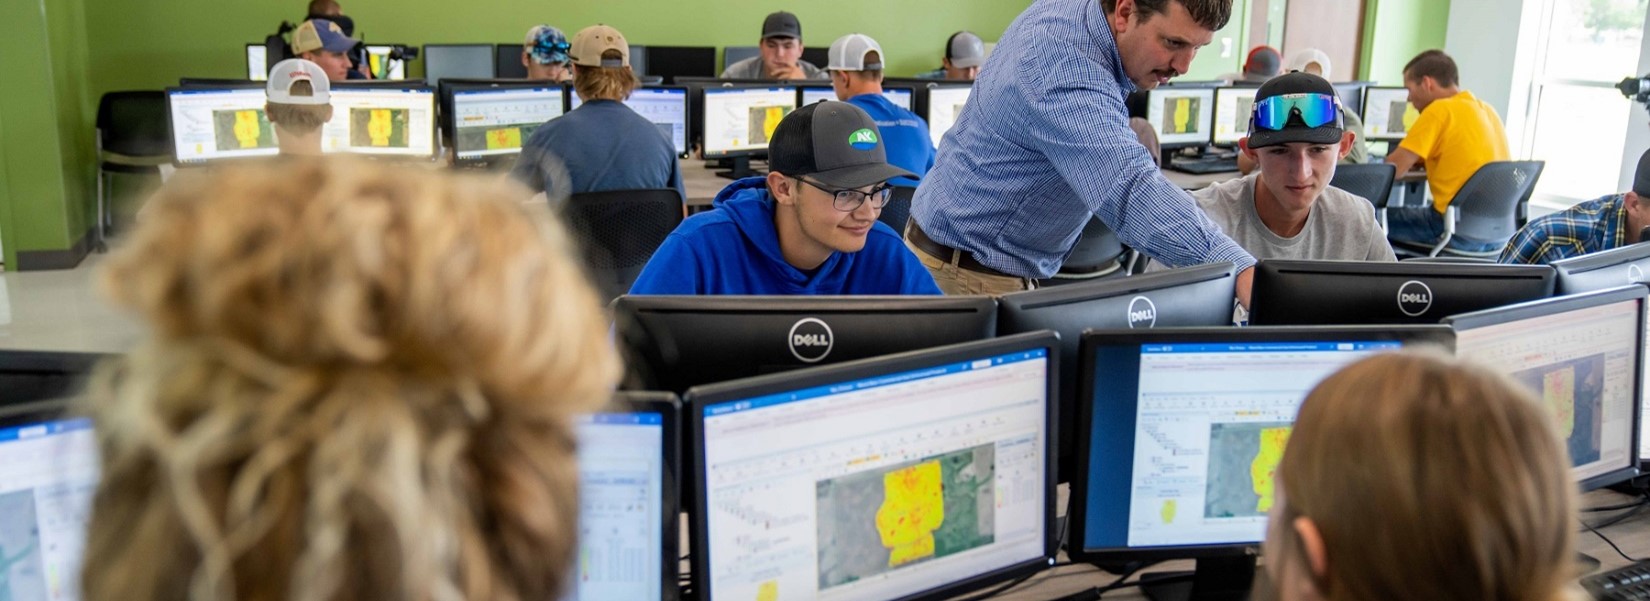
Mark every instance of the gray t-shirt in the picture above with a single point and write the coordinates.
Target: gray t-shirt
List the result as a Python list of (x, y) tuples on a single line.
[(751, 68), (1340, 227)]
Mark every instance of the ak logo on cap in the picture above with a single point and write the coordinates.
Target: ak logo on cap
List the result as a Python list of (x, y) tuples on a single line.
[(863, 139)]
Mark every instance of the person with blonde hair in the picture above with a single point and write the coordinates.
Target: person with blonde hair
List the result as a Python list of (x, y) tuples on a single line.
[(602, 144), (358, 382), (1417, 476)]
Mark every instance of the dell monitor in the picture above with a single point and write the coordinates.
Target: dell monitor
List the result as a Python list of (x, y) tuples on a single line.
[(942, 104), (915, 476), (1180, 432), (1352, 95), (1233, 107), (1387, 113), (1194, 296), (29, 376), (257, 62), (385, 63), (457, 61), (739, 120), (1583, 356), (386, 119), (490, 121), (629, 509), (215, 123), (665, 106), (901, 97), (1182, 117), (48, 473), (1607, 269), (676, 342), (671, 62), (1288, 292), (507, 62)]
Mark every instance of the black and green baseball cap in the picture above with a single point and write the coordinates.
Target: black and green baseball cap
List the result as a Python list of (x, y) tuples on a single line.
[(834, 143)]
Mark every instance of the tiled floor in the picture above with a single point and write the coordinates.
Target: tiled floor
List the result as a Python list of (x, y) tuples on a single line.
[(61, 311)]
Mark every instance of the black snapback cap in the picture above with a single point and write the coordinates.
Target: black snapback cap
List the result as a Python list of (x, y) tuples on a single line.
[(781, 25), (1295, 131), (835, 143), (1641, 178)]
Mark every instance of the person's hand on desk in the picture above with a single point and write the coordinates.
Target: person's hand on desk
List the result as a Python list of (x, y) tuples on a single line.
[(787, 72), (1403, 159), (1244, 285)]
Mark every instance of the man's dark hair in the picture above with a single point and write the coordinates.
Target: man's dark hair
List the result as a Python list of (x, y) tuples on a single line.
[(1211, 14), (1435, 64)]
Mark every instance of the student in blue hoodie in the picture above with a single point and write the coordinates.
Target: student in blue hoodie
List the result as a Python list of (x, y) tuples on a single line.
[(809, 227), (856, 76)]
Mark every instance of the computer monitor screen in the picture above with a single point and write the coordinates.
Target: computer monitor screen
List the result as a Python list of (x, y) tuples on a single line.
[(1584, 357), (1387, 113), (676, 342), (382, 63), (216, 123), (1181, 116), (1182, 430), (1352, 95), (496, 121), (915, 476), (665, 106), (29, 376), (257, 62), (381, 121), (944, 104), (1233, 107), (1607, 269), (740, 119), (671, 62), (901, 97), (457, 61), (628, 506), (1354, 292), (48, 473), (1194, 296), (507, 62)]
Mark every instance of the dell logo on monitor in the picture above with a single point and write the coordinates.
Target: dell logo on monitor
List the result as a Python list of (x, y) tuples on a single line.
[(1414, 298), (1142, 313), (810, 340), (1635, 275)]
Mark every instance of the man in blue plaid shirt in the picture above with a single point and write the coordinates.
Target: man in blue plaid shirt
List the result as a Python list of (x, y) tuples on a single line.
[(1589, 227)]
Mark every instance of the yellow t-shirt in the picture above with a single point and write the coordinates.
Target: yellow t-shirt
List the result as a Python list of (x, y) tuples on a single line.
[(1456, 136)]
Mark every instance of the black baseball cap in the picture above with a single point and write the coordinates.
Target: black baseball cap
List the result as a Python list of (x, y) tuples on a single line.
[(781, 25), (834, 143), (1641, 178), (1296, 130)]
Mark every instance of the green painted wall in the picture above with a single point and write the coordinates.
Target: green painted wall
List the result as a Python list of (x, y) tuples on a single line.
[(46, 156), (142, 44), (1397, 30)]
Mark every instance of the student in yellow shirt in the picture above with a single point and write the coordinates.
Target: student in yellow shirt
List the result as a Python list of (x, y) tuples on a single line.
[(1456, 134)]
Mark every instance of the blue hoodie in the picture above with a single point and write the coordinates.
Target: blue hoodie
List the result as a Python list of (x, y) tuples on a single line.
[(734, 249)]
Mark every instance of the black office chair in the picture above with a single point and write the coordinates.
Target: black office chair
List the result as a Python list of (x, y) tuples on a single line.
[(1488, 207), (618, 231), (132, 138), (1097, 254), (1373, 181), (898, 209)]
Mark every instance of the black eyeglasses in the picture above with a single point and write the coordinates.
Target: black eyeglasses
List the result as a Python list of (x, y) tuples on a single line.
[(849, 200)]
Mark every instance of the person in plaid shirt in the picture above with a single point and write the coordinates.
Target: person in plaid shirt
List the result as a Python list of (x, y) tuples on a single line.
[(1589, 227)]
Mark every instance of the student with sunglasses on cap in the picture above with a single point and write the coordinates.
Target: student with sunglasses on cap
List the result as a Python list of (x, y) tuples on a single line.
[(964, 54), (545, 54), (1287, 209), (1596, 225), (856, 76), (603, 144), (808, 227)]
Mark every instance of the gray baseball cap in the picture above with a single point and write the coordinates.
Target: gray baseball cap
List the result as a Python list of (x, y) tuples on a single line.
[(835, 143), (781, 25), (965, 50)]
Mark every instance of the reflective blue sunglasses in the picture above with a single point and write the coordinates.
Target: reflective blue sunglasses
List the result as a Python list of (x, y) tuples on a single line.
[(1315, 110)]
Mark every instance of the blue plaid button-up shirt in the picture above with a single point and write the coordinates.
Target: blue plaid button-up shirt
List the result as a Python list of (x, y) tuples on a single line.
[(1589, 227), (1043, 143)]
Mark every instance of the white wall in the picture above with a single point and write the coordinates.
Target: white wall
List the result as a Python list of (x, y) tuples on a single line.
[(1494, 42)]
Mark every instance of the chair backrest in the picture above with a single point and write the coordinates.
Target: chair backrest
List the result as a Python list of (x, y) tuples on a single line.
[(1373, 181), (1493, 198), (1096, 247), (133, 123), (898, 209), (618, 231)]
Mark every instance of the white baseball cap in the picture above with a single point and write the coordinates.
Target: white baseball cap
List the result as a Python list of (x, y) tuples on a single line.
[(848, 53), (291, 71)]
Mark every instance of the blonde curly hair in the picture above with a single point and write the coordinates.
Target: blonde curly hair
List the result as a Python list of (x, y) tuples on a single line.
[(359, 384)]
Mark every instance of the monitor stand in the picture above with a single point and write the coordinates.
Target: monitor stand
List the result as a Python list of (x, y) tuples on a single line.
[(739, 168), (1214, 579)]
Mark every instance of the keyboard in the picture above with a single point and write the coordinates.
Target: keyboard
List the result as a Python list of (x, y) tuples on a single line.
[(1631, 582), (1204, 165)]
